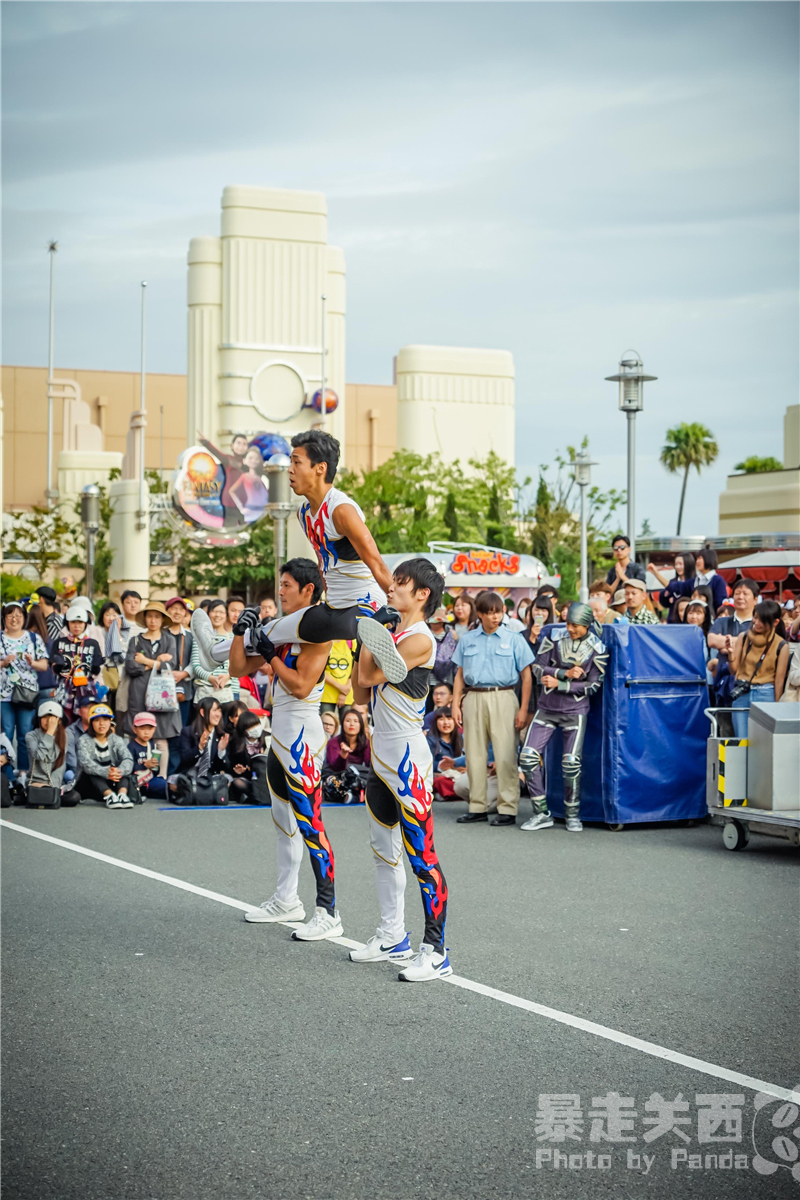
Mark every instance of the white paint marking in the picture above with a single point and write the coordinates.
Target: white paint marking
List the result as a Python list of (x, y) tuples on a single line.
[(552, 1014)]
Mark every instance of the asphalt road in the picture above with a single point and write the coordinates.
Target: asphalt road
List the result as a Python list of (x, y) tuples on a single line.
[(156, 1047)]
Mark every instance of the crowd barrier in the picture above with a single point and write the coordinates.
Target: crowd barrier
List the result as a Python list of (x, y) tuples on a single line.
[(644, 755)]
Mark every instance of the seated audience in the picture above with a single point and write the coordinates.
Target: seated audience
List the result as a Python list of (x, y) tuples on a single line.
[(147, 778), (347, 757), (47, 752), (202, 745), (247, 760), (105, 762)]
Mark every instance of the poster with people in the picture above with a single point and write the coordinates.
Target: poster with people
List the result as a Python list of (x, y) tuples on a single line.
[(224, 489)]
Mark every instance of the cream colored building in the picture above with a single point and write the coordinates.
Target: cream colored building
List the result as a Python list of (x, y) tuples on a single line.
[(255, 332), (111, 396), (254, 359), (455, 400), (766, 501)]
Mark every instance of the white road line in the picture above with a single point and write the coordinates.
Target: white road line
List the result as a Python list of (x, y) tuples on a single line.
[(541, 1010)]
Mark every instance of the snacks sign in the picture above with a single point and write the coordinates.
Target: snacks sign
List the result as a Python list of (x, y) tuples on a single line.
[(485, 562)]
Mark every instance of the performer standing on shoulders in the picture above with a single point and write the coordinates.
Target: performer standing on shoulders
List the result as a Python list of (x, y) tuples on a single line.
[(294, 761), (399, 797), (355, 574)]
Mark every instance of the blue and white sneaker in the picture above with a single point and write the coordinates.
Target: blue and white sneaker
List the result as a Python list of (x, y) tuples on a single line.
[(376, 951), (429, 963)]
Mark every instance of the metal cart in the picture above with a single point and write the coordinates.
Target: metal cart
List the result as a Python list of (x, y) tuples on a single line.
[(726, 791)]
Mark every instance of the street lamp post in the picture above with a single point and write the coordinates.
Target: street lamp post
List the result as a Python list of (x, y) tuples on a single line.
[(143, 513), (280, 508), (631, 379), (90, 520), (50, 494), (583, 477)]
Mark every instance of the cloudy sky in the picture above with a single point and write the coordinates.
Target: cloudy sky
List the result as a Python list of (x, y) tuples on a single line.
[(562, 180)]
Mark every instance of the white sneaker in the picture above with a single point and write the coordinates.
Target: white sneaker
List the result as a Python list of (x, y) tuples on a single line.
[(204, 639), (376, 951), (428, 964), (574, 825), (120, 800), (539, 821), (273, 910), (380, 643), (322, 925)]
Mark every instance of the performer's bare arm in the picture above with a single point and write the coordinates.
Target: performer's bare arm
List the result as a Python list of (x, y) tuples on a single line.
[(300, 679), (241, 663), (350, 525), (414, 651)]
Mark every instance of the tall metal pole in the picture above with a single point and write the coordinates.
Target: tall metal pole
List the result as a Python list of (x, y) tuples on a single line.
[(323, 406), (584, 592), (280, 557), (143, 515), (50, 367), (631, 495)]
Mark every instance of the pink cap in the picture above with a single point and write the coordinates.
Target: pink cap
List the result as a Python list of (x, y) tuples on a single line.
[(144, 718)]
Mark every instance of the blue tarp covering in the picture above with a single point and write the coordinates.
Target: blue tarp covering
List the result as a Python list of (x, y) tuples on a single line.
[(644, 755)]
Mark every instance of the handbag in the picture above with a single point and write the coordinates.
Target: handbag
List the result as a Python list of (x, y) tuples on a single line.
[(43, 797), (21, 693), (161, 695), (221, 695), (190, 791), (111, 678)]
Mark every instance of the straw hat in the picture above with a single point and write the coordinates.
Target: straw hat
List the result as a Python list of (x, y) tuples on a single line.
[(151, 606)]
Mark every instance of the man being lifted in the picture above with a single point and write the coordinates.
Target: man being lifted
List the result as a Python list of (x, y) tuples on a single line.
[(294, 761), (355, 574)]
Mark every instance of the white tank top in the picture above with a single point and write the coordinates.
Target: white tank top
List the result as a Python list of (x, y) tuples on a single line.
[(347, 578), (398, 710), (290, 713)]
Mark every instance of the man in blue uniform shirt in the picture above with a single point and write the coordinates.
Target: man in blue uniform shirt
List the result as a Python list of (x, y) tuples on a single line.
[(491, 659)]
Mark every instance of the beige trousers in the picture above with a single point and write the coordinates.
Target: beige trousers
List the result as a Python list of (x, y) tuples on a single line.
[(489, 717)]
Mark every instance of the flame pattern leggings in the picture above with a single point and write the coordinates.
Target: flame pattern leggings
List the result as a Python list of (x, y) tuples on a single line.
[(305, 816), (392, 822)]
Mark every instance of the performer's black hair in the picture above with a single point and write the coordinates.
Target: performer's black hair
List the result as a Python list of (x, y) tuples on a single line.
[(304, 571), (422, 574), (320, 447)]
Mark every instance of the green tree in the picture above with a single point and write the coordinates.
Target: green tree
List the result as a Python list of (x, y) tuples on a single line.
[(246, 569), (450, 517), (552, 520), (688, 445), (754, 464), (38, 536)]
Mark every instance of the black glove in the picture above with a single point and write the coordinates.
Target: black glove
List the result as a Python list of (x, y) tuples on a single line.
[(265, 647), (249, 618), (386, 615)]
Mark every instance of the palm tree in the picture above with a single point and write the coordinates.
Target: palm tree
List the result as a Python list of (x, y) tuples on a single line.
[(688, 445)]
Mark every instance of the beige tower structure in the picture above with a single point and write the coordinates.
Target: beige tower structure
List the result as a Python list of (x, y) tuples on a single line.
[(256, 334), (457, 401), (766, 501)]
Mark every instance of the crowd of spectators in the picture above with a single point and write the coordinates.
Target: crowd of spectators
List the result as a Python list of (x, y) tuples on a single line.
[(80, 689)]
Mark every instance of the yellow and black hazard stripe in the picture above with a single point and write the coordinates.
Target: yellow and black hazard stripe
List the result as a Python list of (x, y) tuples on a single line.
[(721, 772)]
